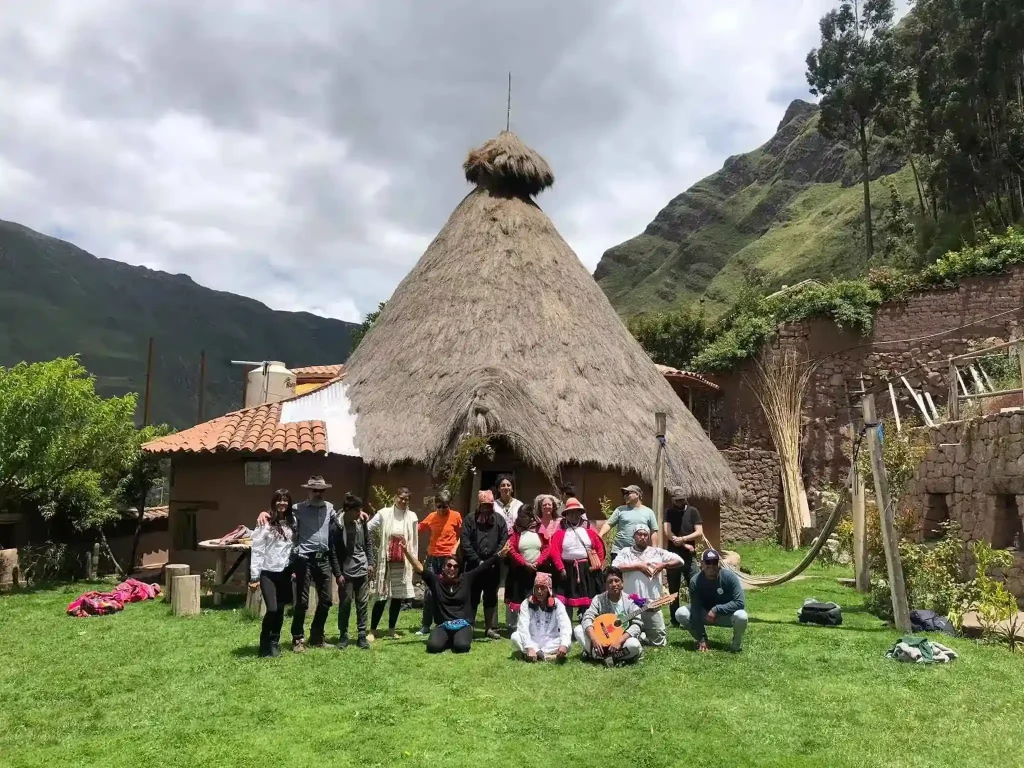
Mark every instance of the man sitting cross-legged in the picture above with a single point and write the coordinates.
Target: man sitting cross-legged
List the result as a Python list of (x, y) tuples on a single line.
[(543, 630), (612, 600), (642, 565), (716, 597)]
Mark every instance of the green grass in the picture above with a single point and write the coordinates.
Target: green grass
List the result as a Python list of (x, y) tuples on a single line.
[(142, 688)]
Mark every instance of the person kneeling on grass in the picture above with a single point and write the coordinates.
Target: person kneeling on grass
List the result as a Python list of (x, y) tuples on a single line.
[(716, 597), (627, 647), (453, 599), (543, 630)]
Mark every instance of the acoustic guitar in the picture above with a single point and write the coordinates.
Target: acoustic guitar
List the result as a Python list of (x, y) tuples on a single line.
[(608, 627)]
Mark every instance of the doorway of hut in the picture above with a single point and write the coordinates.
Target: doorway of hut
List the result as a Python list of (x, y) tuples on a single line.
[(489, 481)]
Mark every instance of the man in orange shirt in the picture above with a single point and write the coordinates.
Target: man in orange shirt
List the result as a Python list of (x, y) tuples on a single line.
[(445, 526)]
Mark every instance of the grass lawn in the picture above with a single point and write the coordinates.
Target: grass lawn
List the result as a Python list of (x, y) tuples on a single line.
[(141, 688)]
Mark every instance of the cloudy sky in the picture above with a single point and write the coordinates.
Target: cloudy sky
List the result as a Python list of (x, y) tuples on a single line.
[(305, 153)]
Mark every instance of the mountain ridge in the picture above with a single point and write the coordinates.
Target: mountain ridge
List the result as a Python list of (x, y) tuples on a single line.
[(752, 213), (57, 299)]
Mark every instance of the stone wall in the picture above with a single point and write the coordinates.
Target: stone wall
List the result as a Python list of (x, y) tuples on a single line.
[(756, 517), (916, 335), (974, 476)]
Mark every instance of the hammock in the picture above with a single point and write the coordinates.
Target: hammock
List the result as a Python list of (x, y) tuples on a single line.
[(826, 530)]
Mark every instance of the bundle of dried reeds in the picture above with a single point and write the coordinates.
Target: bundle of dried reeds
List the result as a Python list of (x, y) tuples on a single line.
[(779, 381)]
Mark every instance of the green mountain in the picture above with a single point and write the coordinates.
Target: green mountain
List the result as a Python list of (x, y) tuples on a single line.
[(793, 208), (57, 300)]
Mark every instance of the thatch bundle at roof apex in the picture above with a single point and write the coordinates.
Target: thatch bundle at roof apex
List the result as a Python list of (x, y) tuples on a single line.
[(500, 331)]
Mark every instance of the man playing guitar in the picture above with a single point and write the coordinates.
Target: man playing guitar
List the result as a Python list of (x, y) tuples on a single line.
[(625, 646)]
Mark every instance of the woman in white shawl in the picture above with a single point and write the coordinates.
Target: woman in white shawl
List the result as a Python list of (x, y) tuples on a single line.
[(392, 579)]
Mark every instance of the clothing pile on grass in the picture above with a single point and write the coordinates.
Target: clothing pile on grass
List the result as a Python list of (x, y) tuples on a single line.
[(920, 650), (105, 603)]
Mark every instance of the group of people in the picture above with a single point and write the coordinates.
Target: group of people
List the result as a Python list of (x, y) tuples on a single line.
[(548, 555)]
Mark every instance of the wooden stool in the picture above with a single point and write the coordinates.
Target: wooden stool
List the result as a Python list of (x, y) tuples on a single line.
[(170, 572), (185, 599)]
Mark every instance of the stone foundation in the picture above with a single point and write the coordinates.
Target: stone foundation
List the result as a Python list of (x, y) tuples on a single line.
[(974, 476), (756, 517)]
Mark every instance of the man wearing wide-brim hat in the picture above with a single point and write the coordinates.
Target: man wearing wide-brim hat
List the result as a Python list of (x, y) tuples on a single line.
[(312, 563)]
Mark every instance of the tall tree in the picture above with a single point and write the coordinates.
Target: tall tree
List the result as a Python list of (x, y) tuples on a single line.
[(859, 73), (65, 452), (364, 327)]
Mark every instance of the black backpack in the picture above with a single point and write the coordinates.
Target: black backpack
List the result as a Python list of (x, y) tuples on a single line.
[(928, 621), (826, 614)]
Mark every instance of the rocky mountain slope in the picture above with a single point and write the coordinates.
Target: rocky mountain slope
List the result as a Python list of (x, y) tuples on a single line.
[(57, 300), (792, 208)]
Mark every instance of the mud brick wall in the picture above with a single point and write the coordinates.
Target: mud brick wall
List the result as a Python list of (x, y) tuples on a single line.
[(755, 517), (974, 476), (844, 356)]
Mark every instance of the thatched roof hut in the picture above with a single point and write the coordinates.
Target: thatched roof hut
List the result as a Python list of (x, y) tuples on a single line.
[(499, 330)]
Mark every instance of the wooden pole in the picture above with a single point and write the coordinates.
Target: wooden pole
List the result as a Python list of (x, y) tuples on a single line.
[(931, 404), (149, 376), (895, 408), (861, 571), (202, 385), (954, 393), (890, 539), (660, 422), (94, 562), (1020, 361), (171, 571), (185, 596)]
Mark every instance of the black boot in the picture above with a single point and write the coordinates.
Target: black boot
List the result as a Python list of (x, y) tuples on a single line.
[(265, 642), (275, 645)]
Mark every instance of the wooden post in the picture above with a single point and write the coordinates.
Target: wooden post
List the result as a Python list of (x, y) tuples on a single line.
[(931, 404), (954, 393), (861, 572), (890, 539), (218, 581), (145, 401), (170, 572), (1020, 360), (185, 600), (202, 385), (94, 562), (660, 423)]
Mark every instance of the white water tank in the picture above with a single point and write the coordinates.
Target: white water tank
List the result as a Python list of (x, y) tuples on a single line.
[(270, 383)]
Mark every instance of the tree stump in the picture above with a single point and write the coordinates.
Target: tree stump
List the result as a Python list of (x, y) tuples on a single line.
[(170, 572), (185, 595), (254, 605), (8, 568)]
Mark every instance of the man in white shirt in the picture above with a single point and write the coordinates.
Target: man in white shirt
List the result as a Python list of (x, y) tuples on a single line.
[(641, 566)]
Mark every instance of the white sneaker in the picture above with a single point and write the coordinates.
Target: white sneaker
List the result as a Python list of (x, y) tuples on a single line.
[(421, 631)]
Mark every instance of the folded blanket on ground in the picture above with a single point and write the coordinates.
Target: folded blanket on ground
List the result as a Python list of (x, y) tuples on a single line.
[(921, 650), (105, 603)]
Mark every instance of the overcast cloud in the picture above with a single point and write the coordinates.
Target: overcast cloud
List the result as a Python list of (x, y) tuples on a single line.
[(306, 153)]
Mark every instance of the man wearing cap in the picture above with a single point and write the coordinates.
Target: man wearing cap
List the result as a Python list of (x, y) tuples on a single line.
[(626, 518), (716, 597), (683, 529), (312, 562), (641, 566)]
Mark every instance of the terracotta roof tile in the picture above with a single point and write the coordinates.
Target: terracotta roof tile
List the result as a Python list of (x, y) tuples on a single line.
[(253, 430), (311, 373)]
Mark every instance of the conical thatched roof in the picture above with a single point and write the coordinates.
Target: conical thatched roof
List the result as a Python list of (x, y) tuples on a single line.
[(500, 330)]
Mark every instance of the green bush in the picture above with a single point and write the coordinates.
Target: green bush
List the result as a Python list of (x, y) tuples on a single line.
[(683, 339)]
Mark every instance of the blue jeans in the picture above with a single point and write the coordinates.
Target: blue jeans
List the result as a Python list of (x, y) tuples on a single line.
[(693, 619)]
